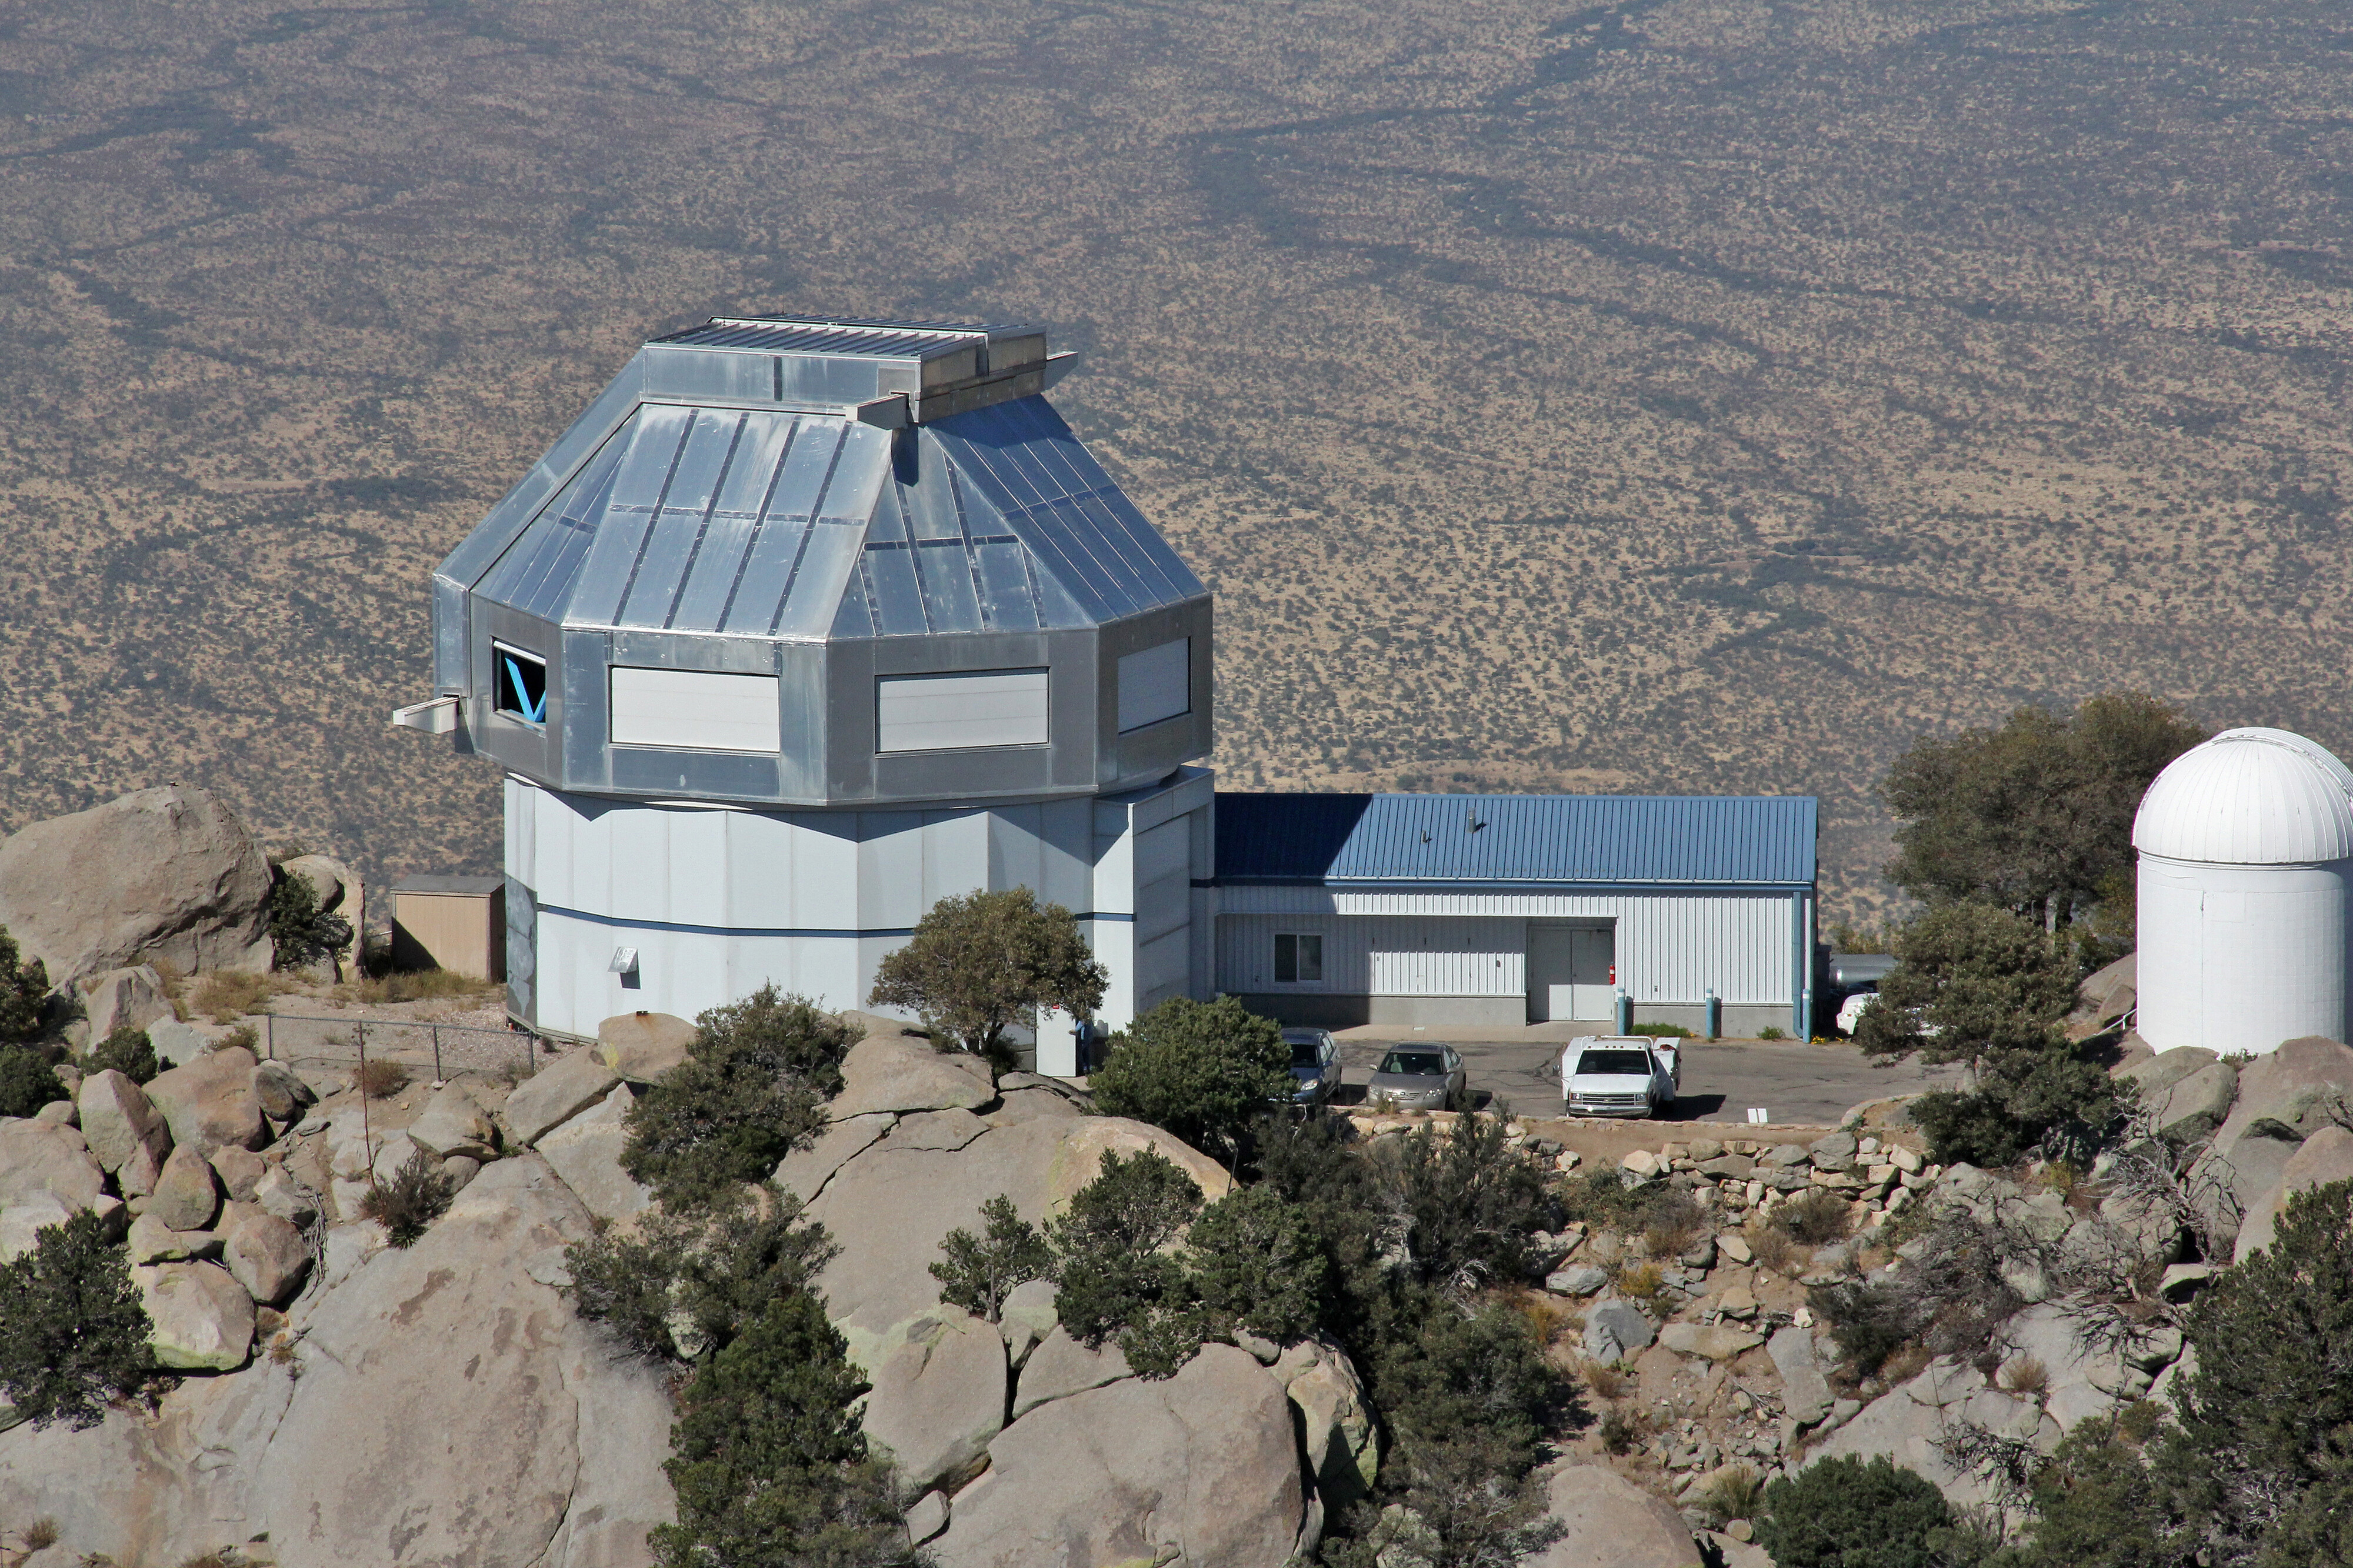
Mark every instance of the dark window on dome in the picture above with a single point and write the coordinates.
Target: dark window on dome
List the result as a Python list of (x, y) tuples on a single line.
[(521, 684)]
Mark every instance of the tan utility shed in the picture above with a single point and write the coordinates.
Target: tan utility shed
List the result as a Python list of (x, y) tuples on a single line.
[(457, 924)]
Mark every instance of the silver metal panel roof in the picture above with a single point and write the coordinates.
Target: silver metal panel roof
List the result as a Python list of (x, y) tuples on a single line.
[(788, 334), (773, 524)]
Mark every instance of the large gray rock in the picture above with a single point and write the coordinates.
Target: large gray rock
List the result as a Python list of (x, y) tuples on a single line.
[(1201, 1467), (1708, 1341), (281, 1194), (281, 1092), (1614, 1331), (889, 1209), (118, 1119), (552, 1096), (804, 1172), (161, 874), (2326, 1156), (2154, 1075), (46, 1177), (2192, 1107), (1610, 1520), (123, 999), (1060, 1366), (153, 1241), (1804, 1392), (264, 1254), (586, 1151), (1833, 1151), (451, 1123), (188, 1194), (2302, 1087), (209, 1102), (203, 1319), (240, 1172), (1340, 1439), (937, 1400), (453, 1409), (892, 1070), (644, 1046)]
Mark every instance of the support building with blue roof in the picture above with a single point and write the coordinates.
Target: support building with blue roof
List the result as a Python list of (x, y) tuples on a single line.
[(1462, 910)]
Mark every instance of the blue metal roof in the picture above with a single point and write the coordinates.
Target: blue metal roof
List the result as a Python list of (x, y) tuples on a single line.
[(1765, 840)]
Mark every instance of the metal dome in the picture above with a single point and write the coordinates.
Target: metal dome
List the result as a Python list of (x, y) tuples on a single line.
[(2250, 797)]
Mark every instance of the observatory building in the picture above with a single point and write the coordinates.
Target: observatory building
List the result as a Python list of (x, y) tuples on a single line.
[(802, 625), (2246, 849)]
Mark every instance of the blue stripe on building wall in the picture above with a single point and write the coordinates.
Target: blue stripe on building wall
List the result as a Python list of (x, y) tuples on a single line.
[(618, 922)]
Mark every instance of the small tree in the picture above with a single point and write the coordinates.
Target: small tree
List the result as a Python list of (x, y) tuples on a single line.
[(750, 1090), (980, 1272), (1843, 1513), (302, 933), (27, 1082), (128, 1051), (1113, 1277), (1973, 984), (1253, 1265), (1204, 1070), (24, 991), (769, 1466), (73, 1334), (980, 962), (1463, 1204), (2035, 815), (684, 1286)]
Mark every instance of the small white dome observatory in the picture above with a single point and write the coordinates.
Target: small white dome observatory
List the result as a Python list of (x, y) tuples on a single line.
[(2246, 852)]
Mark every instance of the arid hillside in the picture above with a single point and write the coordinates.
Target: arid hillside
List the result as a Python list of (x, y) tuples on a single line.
[(1674, 395)]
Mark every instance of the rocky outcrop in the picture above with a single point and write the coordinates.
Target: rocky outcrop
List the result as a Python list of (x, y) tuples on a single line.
[(892, 1070), (2326, 1156), (118, 1119), (210, 1103), (644, 1046), (586, 1152), (938, 1398), (1201, 1467), (47, 1176), (1340, 1440), (557, 1092), (1609, 1520), (202, 1319), (163, 874), (123, 999)]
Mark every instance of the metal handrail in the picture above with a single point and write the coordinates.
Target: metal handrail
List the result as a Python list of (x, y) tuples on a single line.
[(359, 1031)]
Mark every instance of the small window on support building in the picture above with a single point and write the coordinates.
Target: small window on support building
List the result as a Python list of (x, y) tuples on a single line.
[(520, 684), (1298, 958)]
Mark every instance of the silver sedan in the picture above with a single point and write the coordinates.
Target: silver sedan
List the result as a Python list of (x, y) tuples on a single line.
[(1420, 1078)]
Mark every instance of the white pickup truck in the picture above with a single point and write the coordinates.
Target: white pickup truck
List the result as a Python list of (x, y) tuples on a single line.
[(1620, 1075)]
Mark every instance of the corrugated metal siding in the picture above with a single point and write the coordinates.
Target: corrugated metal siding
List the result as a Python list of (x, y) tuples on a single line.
[(1670, 947), (1516, 838)]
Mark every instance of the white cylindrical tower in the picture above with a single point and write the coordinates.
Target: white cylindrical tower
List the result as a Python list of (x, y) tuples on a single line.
[(2246, 856)]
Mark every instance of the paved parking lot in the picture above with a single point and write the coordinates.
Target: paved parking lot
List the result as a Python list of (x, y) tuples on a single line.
[(1793, 1082)]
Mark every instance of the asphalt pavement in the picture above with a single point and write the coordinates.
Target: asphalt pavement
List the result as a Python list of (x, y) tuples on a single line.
[(1792, 1081)]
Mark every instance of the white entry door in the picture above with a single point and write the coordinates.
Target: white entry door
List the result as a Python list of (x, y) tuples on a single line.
[(1569, 974)]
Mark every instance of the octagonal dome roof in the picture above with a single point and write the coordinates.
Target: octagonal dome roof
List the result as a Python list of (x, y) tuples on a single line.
[(2250, 797)]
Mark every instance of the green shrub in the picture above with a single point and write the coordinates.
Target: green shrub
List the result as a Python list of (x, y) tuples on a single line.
[(300, 934), (1252, 1264), (27, 1082), (127, 1051), (24, 991), (1465, 1201), (73, 1332), (1772, 1032), (980, 1272), (685, 1285), (1480, 1376), (1664, 1031), (417, 1195), (1112, 1278), (751, 1089), (1841, 1512), (1868, 1321), (1204, 1070), (1814, 1218), (766, 1459), (981, 963)]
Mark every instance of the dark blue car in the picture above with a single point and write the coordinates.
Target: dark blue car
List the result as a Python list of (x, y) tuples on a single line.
[(1315, 1065)]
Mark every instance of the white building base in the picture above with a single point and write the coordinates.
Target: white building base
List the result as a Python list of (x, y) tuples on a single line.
[(615, 907)]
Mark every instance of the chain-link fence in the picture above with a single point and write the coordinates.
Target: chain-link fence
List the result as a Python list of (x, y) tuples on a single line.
[(339, 1044)]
